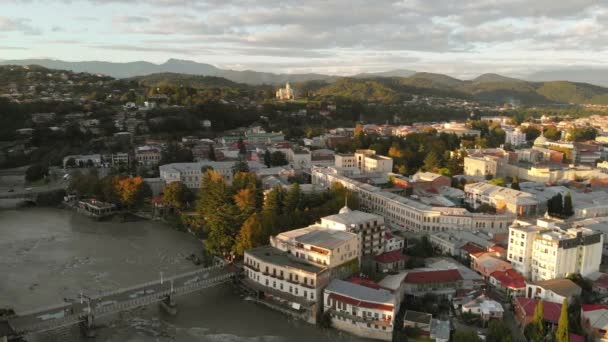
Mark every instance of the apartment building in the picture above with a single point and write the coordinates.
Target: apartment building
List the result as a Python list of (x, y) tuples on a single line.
[(147, 155), (502, 199), (482, 166), (299, 158), (515, 137), (406, 213), (543, 253), (361, 310)]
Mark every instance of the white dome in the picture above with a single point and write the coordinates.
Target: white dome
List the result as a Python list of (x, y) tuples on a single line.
[(540, 140), (345, 210)]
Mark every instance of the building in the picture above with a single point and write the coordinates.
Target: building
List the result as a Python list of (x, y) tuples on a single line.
[(419, 282), (553, 290), (392, 261), (319, 245), (594, 319), (524, 311), (487, 264), (285, 93), (299, 158), (120, 158), (361, 310), (430, 180), (393, 242), (263, 138), (278, 275), (542, 253), (367, 161), (484, 307), (369, 227), (504, 200), (509, 282), (405, 213), (481, 166), (440, 330), (420, 320), (191, 174), (515, 137), (148, 155)]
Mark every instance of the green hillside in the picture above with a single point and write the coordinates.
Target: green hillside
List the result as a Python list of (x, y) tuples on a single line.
[(363, 90), (191, 81)]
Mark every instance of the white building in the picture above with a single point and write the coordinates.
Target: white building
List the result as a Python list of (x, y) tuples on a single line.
[(299, 158), (369, 227), (405, 213), (83, 160), (553, 290), (120, 158), (366, 161), (285, 93), (360, 310), (191, 174), (542, 253), (515, 137), (393, 242), (503, 199), (485, 307), (318, 245)]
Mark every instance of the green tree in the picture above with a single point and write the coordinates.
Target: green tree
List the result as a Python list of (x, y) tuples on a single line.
[(431, 162), (497, 181), (292, 199), (240, 166), (515, 183), (212, 155), (498, 331), (465, 336), (562, 334), (36, 172), (537, 325), (568, 210), (267, 159), (278, 158), (71, 162), (552, 133)]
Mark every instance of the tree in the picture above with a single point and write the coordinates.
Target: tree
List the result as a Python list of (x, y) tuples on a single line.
[(36, 172), (465, 336), (267, 159), (498, 331), (107, 189), (212, 153), (567, 210), (130, 191), (536, 330), (240, 166), (242, 147), (358, 130), (177, 195), (562, 334), (515, 183), (245, 200), (278, 158), (552, 133), (431, 162), (292, 199), (250, 235), (497, 182)]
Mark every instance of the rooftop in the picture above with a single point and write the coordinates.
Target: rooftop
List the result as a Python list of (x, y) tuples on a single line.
[(432, 276), (360, 295), (319, 236), (277, 257), (563, 287), (353, 217), (551, 310), (417, 317)]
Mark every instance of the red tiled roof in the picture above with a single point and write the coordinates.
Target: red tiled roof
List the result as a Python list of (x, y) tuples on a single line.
[(551, 310), (367, 283), (497, 249), (509, 278), (478, 254), (594, 307), (472, 248), (388, 235), (439, 276), (388, 257), (576, 338), (361, 304)]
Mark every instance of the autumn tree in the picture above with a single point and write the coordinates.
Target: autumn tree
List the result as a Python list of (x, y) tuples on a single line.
[(431, 162), (562, 334), (131, 191), (515, 183), (177, 195), (250, 235), (536, 328)]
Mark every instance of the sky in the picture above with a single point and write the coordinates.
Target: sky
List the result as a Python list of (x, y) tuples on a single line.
[(462, 38)]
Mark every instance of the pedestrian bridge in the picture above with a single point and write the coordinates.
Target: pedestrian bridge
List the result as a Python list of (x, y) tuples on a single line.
[(84, 310)]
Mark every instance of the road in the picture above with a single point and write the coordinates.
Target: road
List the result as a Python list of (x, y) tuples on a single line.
[(121, 299)]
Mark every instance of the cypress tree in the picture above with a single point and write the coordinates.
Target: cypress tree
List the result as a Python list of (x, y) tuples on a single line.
[(559, 205), (562, 334), (515, 183), (538, 322), (568, 211)]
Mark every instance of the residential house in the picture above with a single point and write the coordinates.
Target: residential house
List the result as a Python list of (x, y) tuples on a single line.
[(553, 290), (484, 307)]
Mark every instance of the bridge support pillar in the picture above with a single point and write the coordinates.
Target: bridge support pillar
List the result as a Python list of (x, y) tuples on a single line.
[(87, 327), (169, 305)]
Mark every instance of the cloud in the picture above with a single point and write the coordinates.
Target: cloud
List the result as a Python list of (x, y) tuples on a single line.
[(2, 47), (130, 19), (21, 25)]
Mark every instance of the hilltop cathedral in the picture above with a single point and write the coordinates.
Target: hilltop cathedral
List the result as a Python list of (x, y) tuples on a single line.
[(285, 93)]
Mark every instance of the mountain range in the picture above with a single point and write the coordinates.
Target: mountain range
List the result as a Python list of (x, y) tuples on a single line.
[(389, 86)]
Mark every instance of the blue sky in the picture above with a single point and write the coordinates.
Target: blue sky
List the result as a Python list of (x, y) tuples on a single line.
[(462, 38)]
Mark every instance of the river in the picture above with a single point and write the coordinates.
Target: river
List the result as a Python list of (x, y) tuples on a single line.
[(49, 254)]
